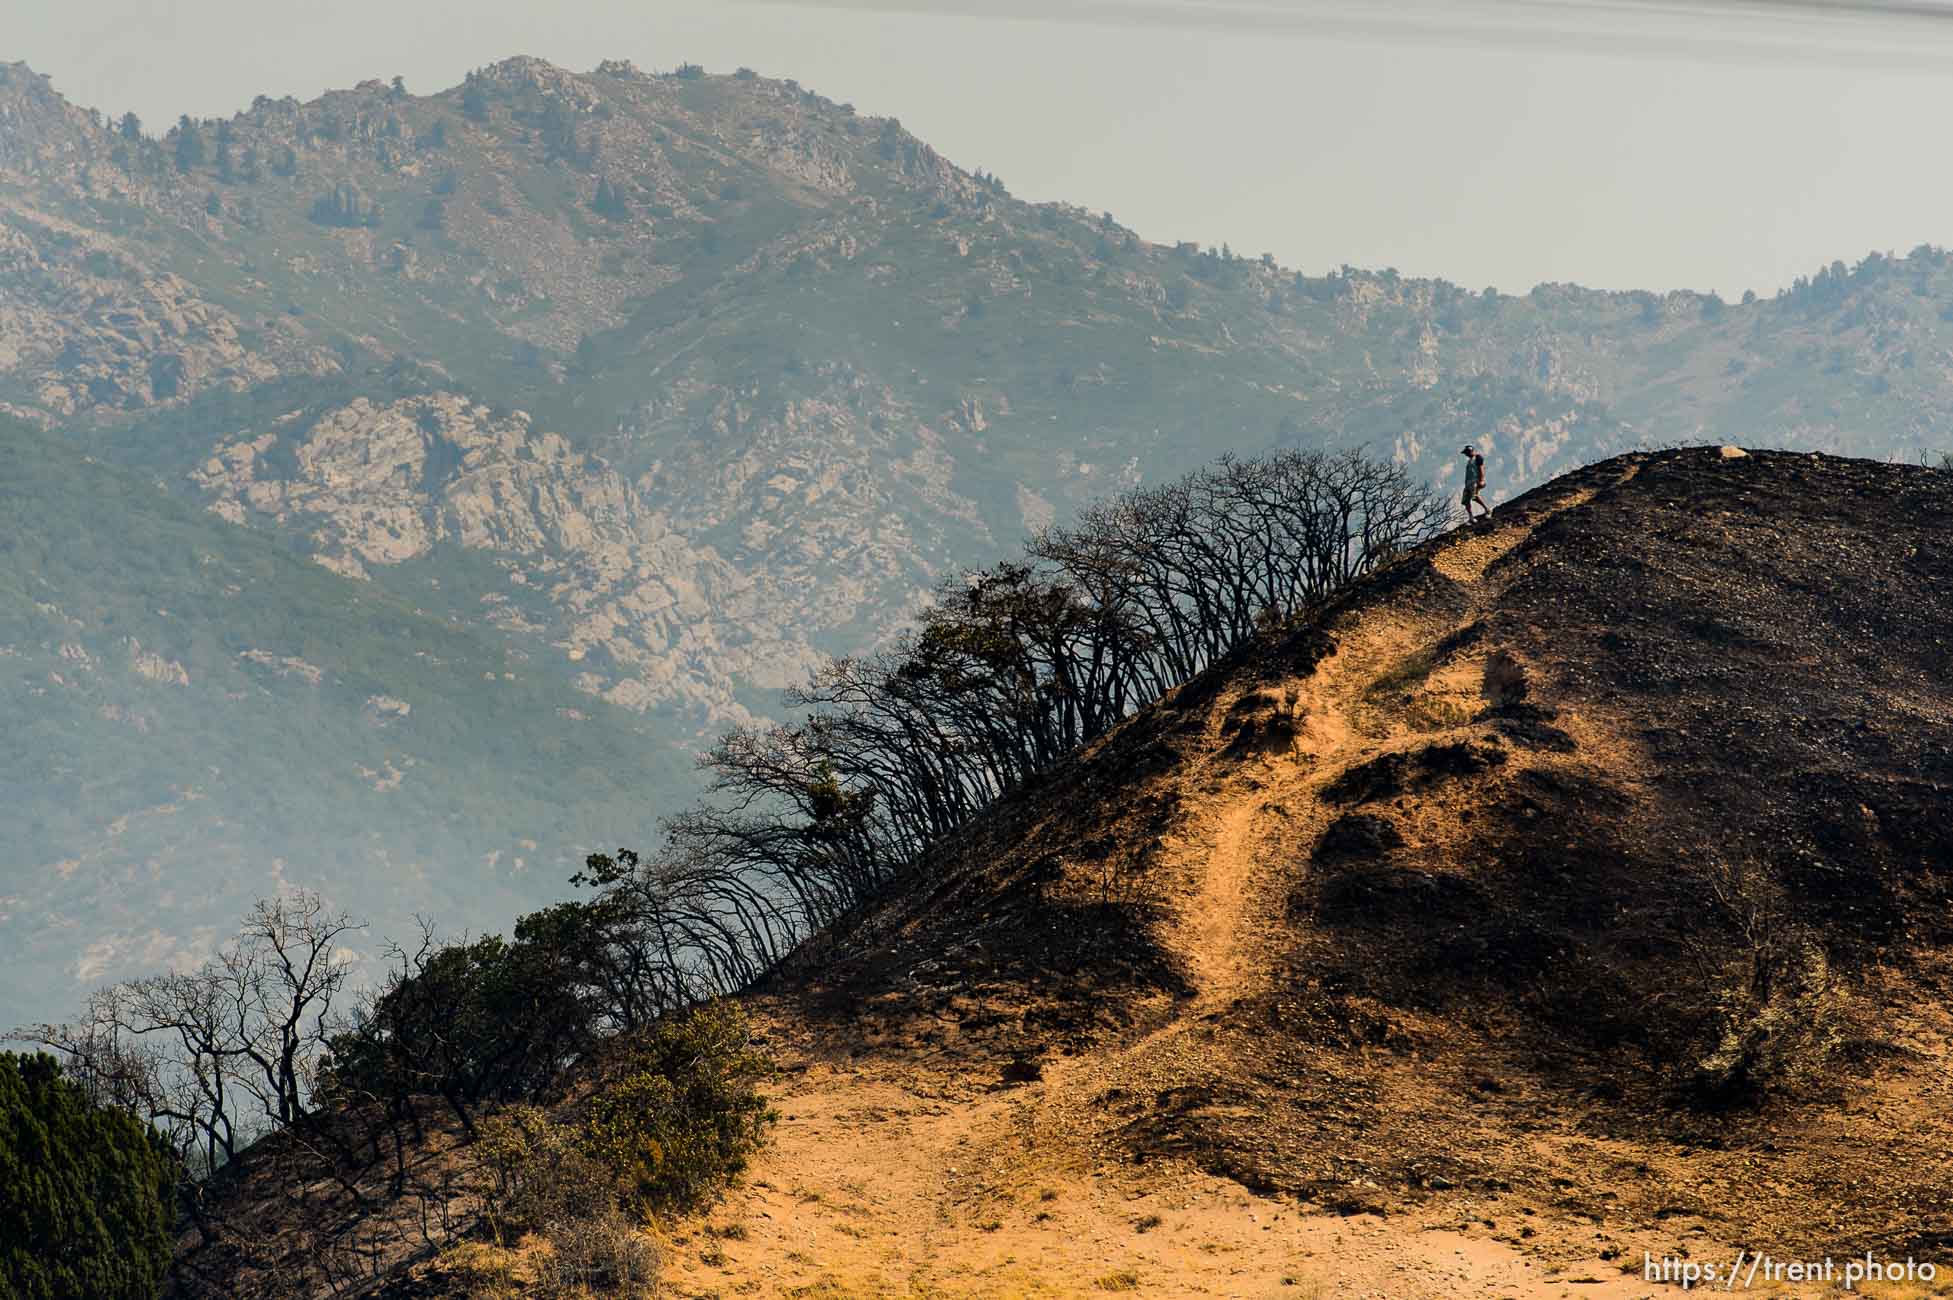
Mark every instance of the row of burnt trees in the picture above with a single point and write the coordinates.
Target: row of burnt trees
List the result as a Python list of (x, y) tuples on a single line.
[(1010, 670)]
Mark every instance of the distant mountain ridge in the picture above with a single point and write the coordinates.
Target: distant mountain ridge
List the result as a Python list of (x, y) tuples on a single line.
[(680, 381)]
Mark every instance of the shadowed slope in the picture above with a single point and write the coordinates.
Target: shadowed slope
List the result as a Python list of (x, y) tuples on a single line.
[(1578, 870)]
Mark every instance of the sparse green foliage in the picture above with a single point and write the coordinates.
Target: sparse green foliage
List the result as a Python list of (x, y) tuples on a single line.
[(344, 205), (484, 1019), (536, 1172), (86, 1193), (683, 1114), (666, 1126), (559, 131)]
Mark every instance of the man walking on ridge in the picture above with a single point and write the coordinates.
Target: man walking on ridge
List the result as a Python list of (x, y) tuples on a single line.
[(1474, 484)]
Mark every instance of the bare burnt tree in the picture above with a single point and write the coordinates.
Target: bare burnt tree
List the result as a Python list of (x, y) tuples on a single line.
[(291, 958), (218, 1055), (1010, 670)]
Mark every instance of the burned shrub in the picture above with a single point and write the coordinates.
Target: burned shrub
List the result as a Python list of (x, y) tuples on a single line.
[(1358, 835)]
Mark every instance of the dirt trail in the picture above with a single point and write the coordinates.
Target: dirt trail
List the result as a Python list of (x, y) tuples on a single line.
[(1216, 926), (885, 1182), (1212, 931)]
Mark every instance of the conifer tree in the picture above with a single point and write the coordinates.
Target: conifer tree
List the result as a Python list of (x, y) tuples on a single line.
[(189, 145), (85, 1192)]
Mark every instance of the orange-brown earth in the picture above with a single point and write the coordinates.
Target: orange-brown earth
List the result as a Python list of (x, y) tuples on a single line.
[(1575, 889)]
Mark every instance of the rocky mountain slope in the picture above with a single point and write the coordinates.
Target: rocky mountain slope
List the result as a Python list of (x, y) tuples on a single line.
[(197, 718), (681, 380), (826, 362)]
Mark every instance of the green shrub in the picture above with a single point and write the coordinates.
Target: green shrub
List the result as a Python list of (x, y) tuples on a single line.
[(537, 1173), (85, 1192), (683, 1114), (474, 1021)]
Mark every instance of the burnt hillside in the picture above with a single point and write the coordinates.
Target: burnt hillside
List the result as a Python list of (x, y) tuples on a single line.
[(1571, 889), (1595, 858)]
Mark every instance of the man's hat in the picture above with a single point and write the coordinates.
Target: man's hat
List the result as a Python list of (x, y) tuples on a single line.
[(1466, 452)]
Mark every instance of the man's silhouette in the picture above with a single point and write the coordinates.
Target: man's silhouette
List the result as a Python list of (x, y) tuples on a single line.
[(1474, 484)]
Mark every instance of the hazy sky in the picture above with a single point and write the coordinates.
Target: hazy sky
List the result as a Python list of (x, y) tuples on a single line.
[(1619, 143)]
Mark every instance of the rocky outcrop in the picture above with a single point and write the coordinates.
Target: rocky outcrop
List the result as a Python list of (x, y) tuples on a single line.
[(373, 486), (41, 133)]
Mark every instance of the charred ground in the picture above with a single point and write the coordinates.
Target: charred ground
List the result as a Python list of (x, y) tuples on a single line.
[(1574, 887), (1592, 861)]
